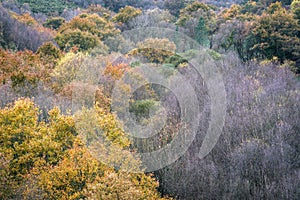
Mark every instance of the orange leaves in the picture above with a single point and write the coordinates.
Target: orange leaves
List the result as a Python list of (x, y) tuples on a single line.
[(21, 67), (116, 71), (26, 18)]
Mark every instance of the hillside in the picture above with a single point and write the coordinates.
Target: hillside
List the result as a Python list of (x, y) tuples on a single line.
[(149, 99)]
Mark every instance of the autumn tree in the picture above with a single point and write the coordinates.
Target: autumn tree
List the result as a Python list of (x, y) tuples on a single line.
[(154, 49), (69, 178), (253, 7), (85, 32), (75, 38), (276, 33), (66, 70), (32, 143), (22, 69), (60, 157)]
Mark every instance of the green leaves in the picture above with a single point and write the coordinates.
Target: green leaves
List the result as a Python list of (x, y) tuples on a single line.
[(202, 33), (275, 33), (126, 14), (76, 38), (47, 7), (84, 32)]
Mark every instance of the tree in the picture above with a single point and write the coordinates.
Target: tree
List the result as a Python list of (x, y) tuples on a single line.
[(254, 7), (154, 50), (43, 6), (126, 14), (125, 186), (87, 3), (18, 35), (229, 13), (174, 6), (26, 19), (100, 10), (66, 70), (31, 143), (85, 31), (54, 159), (276, 33), (202, 33), (153, 18), (22, 69), (75, 38), (54, 23), (115, 5), (235, 35), (255, 158), (69, 179), (49, 53), (193, 13)]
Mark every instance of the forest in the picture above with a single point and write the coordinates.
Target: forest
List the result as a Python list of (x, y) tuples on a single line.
[(149, 99)]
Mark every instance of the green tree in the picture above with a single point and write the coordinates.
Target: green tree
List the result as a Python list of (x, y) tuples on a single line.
[(75, 38), (49, 53), (193, 13), (47, 7), (202, 33), (54, 23), (276, 34), (126, 14), (85, 32)]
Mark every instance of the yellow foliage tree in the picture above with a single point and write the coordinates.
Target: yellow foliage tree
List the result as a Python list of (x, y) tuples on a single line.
[(155, 50), (46, 160)]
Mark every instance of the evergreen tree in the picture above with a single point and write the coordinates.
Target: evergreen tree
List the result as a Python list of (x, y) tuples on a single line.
[(202, 33)]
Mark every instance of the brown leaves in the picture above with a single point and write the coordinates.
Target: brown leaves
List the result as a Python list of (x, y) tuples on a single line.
[(21, 67)]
